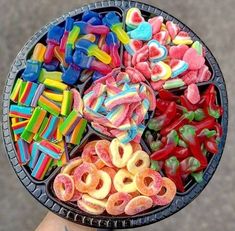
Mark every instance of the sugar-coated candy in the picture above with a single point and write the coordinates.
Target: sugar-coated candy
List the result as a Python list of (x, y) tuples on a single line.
[(117, 202), (134, 18), (138, 204), (182, 38), (168, 193), (87, 185), (70, 166), (162, 37), (118, 159), (160, 71), (194, 60), (148, 189), (156, 23), (101, 191), (124, 181), (139, 161), (177, 52), (172, 28), (192, 93), (90, 208), (63, 186), (157, 52), (142, 32), (174, 83), (198, 47), (178, 67)]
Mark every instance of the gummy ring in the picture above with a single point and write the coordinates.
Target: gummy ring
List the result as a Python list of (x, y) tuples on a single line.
[(138, 204), (135, 146), (63, 186), (124, 181), (76, 196), (101, 191), (102, 150), (139, 161), (117, 202), (90, 207), (86, 169), (169, 191), (142, 184), (69, 167), (88, 199), (89, 155), (111, 173), (120, 153)]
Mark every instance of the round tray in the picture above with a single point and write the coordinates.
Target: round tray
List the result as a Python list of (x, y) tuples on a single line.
[(41, 190)]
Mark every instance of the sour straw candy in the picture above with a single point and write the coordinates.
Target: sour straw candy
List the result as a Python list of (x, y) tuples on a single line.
[(22, 150)]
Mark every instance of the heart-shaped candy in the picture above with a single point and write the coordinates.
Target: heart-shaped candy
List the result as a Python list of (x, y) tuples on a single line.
[(134, 18), (190, 77), (162, 37), (178, 67), (177, 52), (194, 60), (192, 93), (172, 28), (182, 38), (160, 71), (198, 47), (203, 74), (157, 52), (142, 32), (156, 23), (144, 68), (133, 46), (141, 55)]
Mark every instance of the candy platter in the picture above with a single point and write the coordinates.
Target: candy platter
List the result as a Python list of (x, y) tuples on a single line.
[(42, 190)]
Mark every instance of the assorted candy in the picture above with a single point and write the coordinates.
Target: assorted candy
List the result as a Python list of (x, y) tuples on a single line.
[(113, 177), (118, 80), (185, 132)]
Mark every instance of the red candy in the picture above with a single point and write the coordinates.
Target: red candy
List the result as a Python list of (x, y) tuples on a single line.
[(192, 93), (177, 52), (194, 60)]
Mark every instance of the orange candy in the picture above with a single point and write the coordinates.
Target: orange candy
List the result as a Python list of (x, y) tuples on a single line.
[(117, 202), (63, 186), (148, 188), (71, 165), (89, 171), (169, 191), (102, 150), (111, 173), (138, 204)]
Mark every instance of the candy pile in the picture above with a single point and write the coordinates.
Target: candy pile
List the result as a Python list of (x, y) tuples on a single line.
[(114, 177), (185, 132), (163, 53), (118, 104)]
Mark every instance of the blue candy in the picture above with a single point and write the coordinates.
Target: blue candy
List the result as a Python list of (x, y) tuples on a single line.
[(69, 53), (69, 24), (95, 21), (72, 74), (52, 66), (82, 60), (111, 39), (111, 19), (55, 34), (96, 75), (142, 32), (83, 45), (32, 70)]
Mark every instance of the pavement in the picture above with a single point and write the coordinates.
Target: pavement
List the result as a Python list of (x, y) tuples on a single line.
[(213, 21)]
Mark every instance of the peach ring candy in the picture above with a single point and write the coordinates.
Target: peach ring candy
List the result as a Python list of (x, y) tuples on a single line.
[(69, 167), (104, 186), (63, 186), (76, 196), (148, 182), (120, 153), (139, 161), (81, 174), (111, 173), (102, 150), (88, 199), (167, 193), (124, 181), (138, 204), (89, 155), (117, 202), (90, 207)]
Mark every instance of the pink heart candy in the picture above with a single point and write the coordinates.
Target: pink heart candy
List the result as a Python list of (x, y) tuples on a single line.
[(161, 37), (204, 74), (172, 28), (177, 52), (194, 60), (156, 23), (144, 68), (190, 77)]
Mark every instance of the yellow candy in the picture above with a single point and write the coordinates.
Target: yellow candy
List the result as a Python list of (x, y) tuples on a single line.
[(53, 84), (104, 190), (38, 53), (90, 37), (90, 208), (71, 166), (124, 181), (88, 199), (54, 75), (138, 162), (164, 74), (118, 159), (53, 96)]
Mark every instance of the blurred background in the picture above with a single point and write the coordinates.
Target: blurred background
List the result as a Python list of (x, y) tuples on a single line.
[(213, 21)]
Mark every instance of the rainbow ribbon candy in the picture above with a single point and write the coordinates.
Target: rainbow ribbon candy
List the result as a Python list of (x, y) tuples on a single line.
[(41, 167), (22, 150), (16, 90), (78, 131), (34, 155), (37, 94), (66, 103), (28, 93), (49, 105), (20, 111), (50, 127), (19, 127)]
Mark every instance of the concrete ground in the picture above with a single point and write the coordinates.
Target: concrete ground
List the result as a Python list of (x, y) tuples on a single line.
[(213, 21)]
